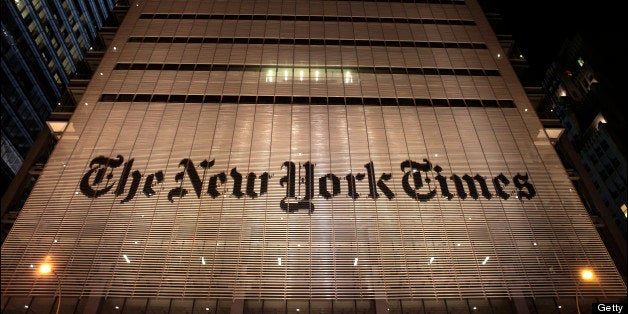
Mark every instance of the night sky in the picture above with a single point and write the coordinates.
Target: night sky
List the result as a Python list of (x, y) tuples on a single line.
[(540, 27)]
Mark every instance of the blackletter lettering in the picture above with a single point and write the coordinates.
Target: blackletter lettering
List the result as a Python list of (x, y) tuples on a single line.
[(382, 186), (237, 183), (207, 164), (289, 179), (213, 185), (459, 187), (103, 164), (443, 183), (498, 186), (125, 175), (473, 190), (373, 185), (148, 185), (485, 192), (415, 169), (193, 175), (353, 193), (135, 183), (212, 188), (250, 184), (194, 178), (521, 182), (309, 180), (97, 181), (290, 203), (322, 185)]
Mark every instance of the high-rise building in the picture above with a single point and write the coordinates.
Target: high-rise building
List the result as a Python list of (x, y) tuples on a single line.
[(49, 48), (585, 91), (319, 156), (43, 45)]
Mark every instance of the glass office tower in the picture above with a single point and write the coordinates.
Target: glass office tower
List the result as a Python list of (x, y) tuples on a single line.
[(305, 156), (42, 46)]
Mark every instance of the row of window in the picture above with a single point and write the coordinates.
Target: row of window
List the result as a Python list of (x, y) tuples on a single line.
[(305, 41), (305, 18), (165, 305), (298, 100), (260, 68)]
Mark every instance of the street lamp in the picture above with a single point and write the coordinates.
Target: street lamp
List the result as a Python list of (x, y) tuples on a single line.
[(586, 275), (46, 268)]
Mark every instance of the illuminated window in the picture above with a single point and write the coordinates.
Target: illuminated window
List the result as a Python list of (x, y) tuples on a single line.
[(623, 209), (269, 76), (580, 62), (348, 77)]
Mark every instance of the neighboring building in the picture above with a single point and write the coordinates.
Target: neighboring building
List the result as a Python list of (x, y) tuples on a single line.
[(585, 93), (47, 48), (319, 156), (43, 46), (572, 98)]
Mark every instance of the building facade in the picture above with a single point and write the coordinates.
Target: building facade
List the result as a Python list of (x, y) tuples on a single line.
[(320, 156), (43, 46), (585, 95)]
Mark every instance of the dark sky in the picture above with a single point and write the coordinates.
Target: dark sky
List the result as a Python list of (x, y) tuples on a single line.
[(540, 27)]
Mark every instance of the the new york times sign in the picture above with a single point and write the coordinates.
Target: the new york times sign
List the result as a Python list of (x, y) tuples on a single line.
[(415, 180)]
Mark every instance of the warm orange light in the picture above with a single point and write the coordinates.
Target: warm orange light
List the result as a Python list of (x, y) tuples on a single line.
[(587, 275), (45, 268)]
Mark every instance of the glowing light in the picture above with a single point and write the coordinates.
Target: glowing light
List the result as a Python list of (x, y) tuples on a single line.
[(279, 261), (599, 119), (269, 76), (300, 75), (126, 258), (355, 261), (485, 260), (580, 62), (316, 75), (45, 268), (431, 260), (348, 77), (203, 260), (587, 274), (285, 75)]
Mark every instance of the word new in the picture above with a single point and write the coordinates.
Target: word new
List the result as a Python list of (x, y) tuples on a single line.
[(418, 180)]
